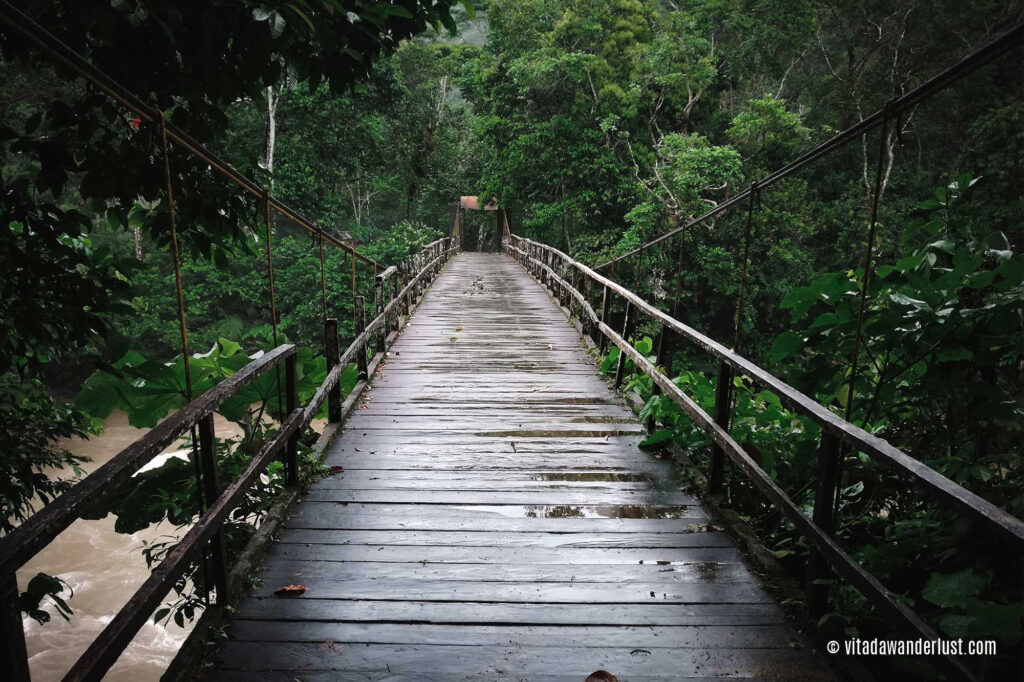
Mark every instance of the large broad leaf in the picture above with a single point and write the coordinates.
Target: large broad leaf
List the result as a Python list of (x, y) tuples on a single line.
[(101, 394), (951, 590), (644, 345), (785, 344), (661, 437)]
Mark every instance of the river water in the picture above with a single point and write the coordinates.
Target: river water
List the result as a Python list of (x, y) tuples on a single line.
[(104, 568)]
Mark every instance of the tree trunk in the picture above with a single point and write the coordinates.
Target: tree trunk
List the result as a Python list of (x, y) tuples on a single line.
[(270, 133)]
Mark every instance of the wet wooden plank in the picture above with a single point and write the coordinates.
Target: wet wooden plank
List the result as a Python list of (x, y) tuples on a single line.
[(495, 520), (325, 516), (314, 572), (551, 540), (421, 612), (533, 592), (327, 493), (584, 636), (486, 555), (440, 661), (403, 513)]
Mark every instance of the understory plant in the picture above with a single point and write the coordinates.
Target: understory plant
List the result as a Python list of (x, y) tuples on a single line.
[(940, 374)]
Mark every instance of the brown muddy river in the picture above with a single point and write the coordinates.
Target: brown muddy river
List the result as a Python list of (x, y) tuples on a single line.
[(104, 568)]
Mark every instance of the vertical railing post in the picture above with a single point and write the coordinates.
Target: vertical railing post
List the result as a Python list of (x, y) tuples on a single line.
[(403, 281), (659, 352), (574, 303), (331, 351), (291, 452), (824, 518), (723, 398), (13, 654), (562, 271), (620, 366), (589, 296), (378, 303), (360, 322), (418, 271), (603, 341), (650, 423), (211, 491), (393, 292)]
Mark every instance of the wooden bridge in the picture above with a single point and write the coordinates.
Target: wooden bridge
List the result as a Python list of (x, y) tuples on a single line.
[(491, 516), (496, 520)]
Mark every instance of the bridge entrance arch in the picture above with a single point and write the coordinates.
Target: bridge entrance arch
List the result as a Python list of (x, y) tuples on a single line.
[(473, 229)]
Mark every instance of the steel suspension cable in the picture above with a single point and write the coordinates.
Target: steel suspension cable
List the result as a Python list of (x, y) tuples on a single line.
[(323, 280), (865, 282), (755, 198), (273, 297), (183, 328)]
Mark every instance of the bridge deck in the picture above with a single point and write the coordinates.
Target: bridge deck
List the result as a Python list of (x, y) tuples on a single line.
[(496, 521)]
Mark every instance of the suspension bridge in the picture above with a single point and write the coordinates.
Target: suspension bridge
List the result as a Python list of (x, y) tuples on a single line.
[(490, 514)]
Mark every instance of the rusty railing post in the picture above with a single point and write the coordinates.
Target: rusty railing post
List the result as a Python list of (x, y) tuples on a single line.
[(723, 398), (378, 303), (824, 518), (603, 340), (291, 451), (331, 351), (392, 293), (360, 322), (650, 423), (211, 491), (620, 366)]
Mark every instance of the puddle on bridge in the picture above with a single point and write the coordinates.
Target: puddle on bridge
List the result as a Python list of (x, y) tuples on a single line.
[(594, 476), (547, 433), (584, 511), (707, 571)]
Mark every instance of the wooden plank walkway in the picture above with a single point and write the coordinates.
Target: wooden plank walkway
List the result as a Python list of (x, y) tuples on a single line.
[(496, 521)]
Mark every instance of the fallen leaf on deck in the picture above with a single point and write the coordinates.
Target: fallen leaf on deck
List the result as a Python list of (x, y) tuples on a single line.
[(336, 469), (290, 591), (601, 676)]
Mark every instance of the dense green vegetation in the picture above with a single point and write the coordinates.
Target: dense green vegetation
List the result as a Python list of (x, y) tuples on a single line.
[(598, 126)]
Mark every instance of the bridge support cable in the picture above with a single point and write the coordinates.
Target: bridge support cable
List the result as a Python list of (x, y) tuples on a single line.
[(216, 573), (895, 107), (273, 294)]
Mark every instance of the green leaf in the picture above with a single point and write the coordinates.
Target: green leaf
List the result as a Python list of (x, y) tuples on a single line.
[(999, 621), (785, 344), (952, 590), (644, 345), (657, 438), (229, 348)]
